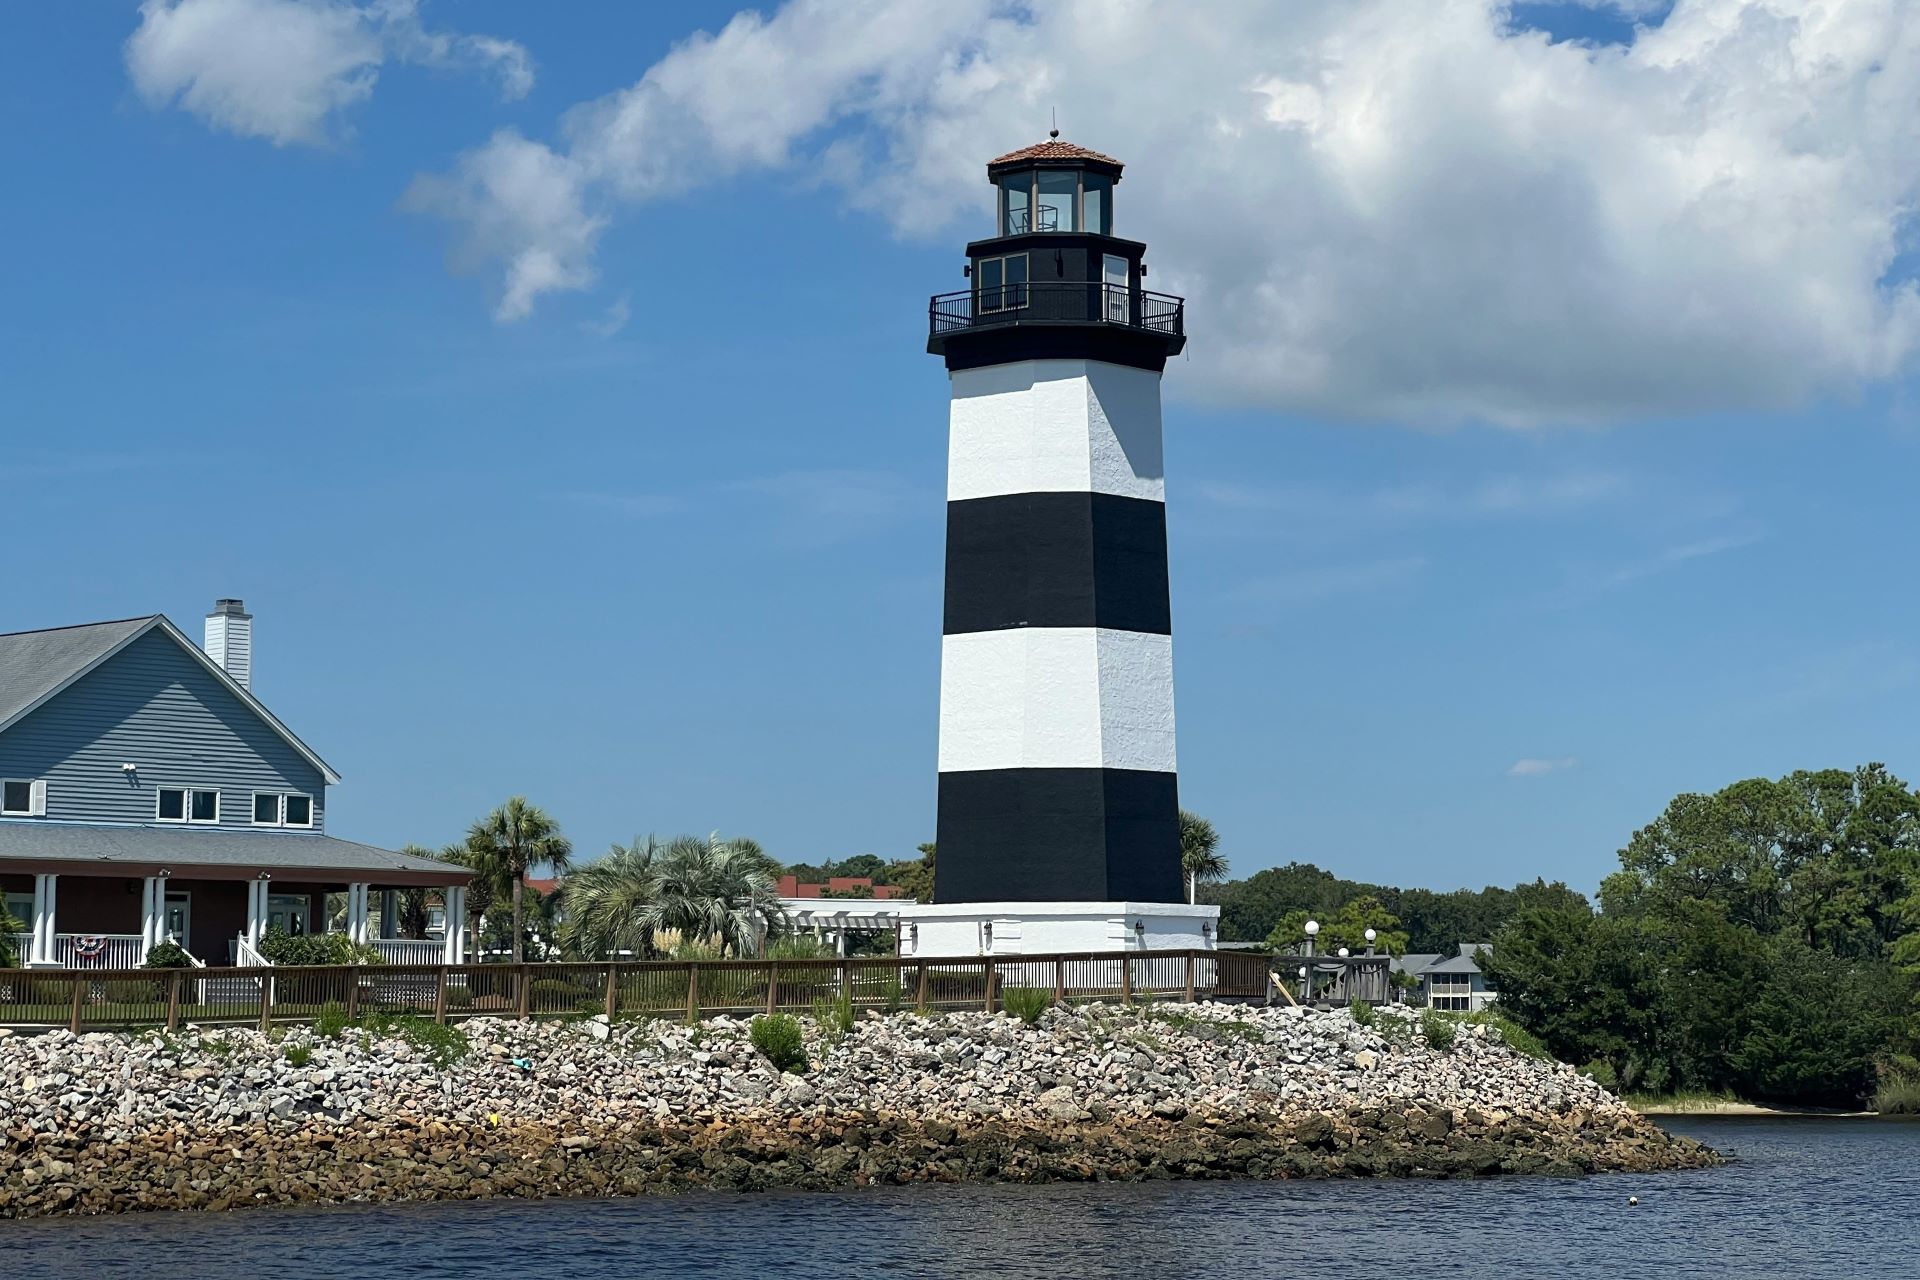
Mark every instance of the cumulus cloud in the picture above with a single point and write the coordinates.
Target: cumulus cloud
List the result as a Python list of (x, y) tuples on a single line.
[(1534, 767), (1401, 209), (284, 70)]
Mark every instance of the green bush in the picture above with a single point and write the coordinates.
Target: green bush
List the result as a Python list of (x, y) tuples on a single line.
[(1602, 1073), (1026, 1003), (459, 998), (168, 955), (1898, 1095), (331, 1020), (445, 1045), (1361, 1012), (834, 1015), (779, 1037), (298, 1055), (1438, 1029), (1512, 1033), (281, 947)]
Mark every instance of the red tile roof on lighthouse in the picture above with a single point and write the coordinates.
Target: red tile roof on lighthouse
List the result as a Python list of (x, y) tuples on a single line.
[(1053, 150)]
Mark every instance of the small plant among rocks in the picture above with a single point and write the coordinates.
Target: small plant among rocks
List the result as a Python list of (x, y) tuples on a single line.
[(1438, 1029), (1027, 1003), (835, 1016), (330, 1021), (1361, 1012), (298, 1055), (780, 1038)]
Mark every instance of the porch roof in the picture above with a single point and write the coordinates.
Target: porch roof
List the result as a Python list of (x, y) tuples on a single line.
[(35, 845)]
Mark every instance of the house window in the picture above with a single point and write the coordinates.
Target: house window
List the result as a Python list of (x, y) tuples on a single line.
[(186, 804), (1003, 282), (20, 907), (1451, 992), (23, 797), (282, 809), (299, 811)]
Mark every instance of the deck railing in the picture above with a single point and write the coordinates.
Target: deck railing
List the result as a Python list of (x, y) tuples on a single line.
[(101, 1000), (1056, 302), (409, 950)]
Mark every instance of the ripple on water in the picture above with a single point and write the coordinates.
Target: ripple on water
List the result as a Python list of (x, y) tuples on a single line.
[(1808, 1198)]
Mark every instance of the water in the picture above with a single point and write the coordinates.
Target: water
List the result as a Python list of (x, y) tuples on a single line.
[(1808, 1198)]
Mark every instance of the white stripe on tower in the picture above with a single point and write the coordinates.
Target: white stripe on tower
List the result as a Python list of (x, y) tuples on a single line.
[(1055, 426)]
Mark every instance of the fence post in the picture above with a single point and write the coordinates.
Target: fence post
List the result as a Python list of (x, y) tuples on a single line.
[(1059, 979), (522, 995), (613, 993), (352, 1001), (993, 971), (773, 985), (79, 994), (1189, 977), (266, 1004), (173, 1000), (693, 990), (440, 994), (846, 983), (1126, 979), (921, 1001)]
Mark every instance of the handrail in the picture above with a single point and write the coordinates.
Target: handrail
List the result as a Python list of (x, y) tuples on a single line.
[(1056, 302), (248, 955)]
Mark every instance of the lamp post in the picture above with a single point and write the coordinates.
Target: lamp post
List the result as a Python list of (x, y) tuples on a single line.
[(1306, 970)]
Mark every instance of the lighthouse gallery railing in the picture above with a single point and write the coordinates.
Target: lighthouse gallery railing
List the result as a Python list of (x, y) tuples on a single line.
[(1056, 302)]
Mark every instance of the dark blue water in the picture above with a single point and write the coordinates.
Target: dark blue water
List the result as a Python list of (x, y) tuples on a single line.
[(1807, 1198)]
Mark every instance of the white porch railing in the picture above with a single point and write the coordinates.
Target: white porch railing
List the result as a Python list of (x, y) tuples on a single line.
[(246, 957), (410, 950), (22, 947), (95, 950)]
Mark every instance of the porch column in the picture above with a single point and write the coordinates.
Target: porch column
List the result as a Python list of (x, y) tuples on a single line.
[(359, 897), (389, 913), (454, 943), (41, 949), (256, 911), (153, 915)]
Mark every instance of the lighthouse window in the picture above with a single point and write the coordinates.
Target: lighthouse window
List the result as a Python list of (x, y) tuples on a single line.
[(1003, 282), (1016, 195), (1057, 200), (1099, 190)]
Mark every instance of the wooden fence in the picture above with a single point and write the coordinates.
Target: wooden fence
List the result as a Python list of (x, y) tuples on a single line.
[(99, 999)]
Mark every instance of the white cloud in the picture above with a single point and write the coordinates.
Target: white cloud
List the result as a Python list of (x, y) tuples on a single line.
[(1534, 767), (1397, 209), (283, 70)]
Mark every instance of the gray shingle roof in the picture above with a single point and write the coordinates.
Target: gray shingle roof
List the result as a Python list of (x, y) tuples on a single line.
[(35, 663), (1462, 963), (34, 839)]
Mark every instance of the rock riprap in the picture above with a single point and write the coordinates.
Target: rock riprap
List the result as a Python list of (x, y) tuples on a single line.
[(219, 1118)]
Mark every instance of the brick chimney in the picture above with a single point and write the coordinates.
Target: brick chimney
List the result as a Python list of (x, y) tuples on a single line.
[(230, 640)]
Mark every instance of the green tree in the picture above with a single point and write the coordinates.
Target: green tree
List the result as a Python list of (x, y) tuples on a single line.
[(1816, 1026), (512, 839), (485, 890), (9, 954), (707, 890), (1200, 856), (410, 904), (914, 875), (863, 864), (1346, 926)]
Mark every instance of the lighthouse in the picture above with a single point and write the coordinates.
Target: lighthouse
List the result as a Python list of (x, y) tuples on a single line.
[(1058, 824)]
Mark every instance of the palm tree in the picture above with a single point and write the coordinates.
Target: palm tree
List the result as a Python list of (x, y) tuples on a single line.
[(1200, 857), (718, 889), (514, 838), (605, 899), (410, 905), (486, 888), (704, 890)]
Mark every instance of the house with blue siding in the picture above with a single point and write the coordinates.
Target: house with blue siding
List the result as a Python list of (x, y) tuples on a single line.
[(146, 795)]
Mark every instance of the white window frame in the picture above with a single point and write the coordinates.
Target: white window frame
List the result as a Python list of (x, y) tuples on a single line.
[(285, 821), (186, 805), (1001, 290), (279, 808), (36, 798)]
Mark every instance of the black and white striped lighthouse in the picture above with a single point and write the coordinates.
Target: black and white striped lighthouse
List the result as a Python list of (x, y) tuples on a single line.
[(1057, 778)]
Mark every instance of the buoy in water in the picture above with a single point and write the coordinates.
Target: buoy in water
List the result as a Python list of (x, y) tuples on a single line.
[(1633, 1200)]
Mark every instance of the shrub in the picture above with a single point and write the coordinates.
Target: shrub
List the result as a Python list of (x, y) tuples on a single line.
[(1898, 1095), (1438, 1029), (445, 1045), (1361, 1012), (1026, 1003), (298, 1055), (1512, 1033), (331, 1020), (168, 955), (1601, 1072), (799, 946), (779, 1037), (459, 998), (281, 947), (835, 1015), (546, 995)]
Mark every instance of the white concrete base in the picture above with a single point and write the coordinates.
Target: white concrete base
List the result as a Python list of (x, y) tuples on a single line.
[(1043, 928)]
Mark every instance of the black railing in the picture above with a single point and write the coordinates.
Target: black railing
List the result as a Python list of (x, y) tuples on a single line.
[(1057, 302)]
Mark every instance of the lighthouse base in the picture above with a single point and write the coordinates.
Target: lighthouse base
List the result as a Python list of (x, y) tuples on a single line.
[(1046, 928)]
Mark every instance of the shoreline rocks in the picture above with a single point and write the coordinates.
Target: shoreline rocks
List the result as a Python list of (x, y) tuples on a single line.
[(225, 1118)]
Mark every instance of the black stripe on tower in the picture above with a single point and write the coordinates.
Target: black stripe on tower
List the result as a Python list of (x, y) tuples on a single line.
[(1062, 835), (1057, 560)]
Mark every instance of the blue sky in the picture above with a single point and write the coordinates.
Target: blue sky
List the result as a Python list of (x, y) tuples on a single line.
[(1463, 593)]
